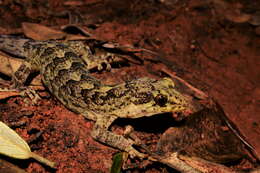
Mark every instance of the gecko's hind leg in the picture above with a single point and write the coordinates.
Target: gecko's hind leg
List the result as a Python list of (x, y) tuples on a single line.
[(100, 133)]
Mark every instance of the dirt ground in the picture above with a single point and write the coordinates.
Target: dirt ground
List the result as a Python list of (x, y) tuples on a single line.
[(214, 45)]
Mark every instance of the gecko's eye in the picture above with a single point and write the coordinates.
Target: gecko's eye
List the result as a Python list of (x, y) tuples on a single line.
[(161, 100)]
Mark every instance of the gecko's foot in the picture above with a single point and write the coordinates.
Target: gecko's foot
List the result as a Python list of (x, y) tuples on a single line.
[(104, 66), (24, 91), (134, 153), (128, 133), (32, 94)]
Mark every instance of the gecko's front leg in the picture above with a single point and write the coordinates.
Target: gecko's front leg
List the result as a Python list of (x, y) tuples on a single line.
[(18, 80), (20, 76), (100, 133)]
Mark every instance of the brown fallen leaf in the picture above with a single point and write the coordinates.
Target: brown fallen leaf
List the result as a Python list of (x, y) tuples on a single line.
[(82, 32), (205, 166), (174, 162), (73, 3), (8, 167), (9, 65), (205, 134), (231, 12), (41, 32), (75, 37), (6, 94), (238, 17)]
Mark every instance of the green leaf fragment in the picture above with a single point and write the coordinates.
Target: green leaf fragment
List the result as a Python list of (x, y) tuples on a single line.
[(118, 161)]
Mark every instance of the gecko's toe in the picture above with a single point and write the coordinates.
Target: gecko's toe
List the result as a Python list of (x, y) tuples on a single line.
[(32, 94), (133, 153), (128, 133), (108, 67)]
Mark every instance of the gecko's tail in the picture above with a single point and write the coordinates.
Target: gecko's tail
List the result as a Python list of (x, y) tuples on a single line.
[(13, 45)]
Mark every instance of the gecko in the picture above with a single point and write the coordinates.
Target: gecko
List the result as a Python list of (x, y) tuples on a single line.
[(64, 67)]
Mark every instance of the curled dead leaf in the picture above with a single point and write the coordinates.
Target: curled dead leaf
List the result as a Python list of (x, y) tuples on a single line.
[(73, 28), (41, 32)]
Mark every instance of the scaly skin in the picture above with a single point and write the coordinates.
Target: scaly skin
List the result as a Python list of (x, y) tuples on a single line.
[(64, 69)]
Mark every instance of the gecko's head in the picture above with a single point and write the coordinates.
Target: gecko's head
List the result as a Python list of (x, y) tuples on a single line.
[(166, 95), (151, 97)]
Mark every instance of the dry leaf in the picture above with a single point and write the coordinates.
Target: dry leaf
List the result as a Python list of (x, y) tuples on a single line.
[(41, 32), (8, 167), (73, 28), (231, 12), (9, 65), (36, 83), (73, 3), (6, 94), (238, 17), (205, 166), (12, 145), (174, 162)]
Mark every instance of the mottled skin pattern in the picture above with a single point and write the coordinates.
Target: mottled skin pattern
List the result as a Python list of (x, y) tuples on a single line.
[(65, 72)]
